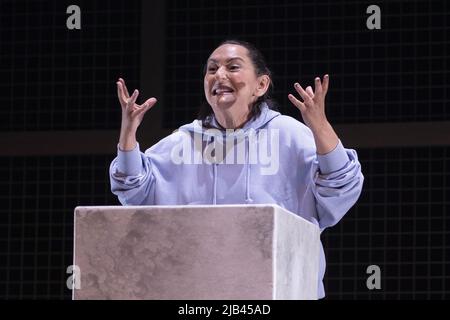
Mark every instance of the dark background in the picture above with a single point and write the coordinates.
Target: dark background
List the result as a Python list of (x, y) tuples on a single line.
[(388, 99)]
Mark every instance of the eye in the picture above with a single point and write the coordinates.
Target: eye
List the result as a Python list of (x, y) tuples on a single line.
[(211, 68), (234, 67)]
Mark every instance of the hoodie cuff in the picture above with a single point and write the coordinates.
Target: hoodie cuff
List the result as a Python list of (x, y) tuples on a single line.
[(129, 162), (333, 160)]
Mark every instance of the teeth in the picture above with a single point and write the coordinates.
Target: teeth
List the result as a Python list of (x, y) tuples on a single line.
[(222, 90)]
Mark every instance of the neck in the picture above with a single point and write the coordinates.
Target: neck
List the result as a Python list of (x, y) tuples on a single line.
[(232, 118)]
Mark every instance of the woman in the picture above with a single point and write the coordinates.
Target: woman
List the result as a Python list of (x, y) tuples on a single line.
[(309, 172)]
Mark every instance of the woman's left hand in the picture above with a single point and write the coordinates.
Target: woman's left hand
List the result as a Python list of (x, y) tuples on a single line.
[(313, 113), (313, 106)]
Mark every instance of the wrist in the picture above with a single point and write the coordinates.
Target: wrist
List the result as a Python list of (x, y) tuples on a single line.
[(127, 130), (320, 127), (325, 138)]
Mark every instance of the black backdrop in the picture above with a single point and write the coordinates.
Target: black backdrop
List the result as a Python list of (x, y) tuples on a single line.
[(55, 80)]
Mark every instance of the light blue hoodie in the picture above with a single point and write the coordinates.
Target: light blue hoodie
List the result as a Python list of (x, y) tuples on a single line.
[(319, 188)]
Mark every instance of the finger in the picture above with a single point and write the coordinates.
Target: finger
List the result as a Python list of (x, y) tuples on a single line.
[(146, 106), (310, 91), (131, 100), (119, 91), (300, 105), (124, 88), (326, 80), (305, 96), (120, 95), (149, 103), (318, 86)]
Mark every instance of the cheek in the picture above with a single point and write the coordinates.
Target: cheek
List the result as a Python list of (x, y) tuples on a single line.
[(241, 83), (206, 84)]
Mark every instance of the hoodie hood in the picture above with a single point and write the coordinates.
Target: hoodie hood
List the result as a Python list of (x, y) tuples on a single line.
[(211, 136), (260, 121)]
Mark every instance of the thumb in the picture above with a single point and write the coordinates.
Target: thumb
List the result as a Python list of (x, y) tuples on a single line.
[(146, 105)]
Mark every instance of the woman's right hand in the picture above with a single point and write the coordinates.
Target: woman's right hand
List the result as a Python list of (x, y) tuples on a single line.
[(132, 113)]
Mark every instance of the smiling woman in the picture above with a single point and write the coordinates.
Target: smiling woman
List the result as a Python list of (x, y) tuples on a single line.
[(240, 71), (314, 177)]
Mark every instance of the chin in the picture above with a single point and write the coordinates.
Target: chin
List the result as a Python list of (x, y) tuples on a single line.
[(223, 104)]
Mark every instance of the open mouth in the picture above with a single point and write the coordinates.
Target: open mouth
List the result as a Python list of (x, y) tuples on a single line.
[(221, 90)]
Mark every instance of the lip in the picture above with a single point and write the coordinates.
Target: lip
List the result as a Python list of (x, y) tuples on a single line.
[(223, 94), (228, 89)]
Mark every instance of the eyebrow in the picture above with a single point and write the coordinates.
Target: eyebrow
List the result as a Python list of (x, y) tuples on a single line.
[(234, 58)]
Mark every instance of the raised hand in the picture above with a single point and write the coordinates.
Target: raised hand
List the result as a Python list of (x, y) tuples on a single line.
[(132, 113), (313, 113), (313, 106)]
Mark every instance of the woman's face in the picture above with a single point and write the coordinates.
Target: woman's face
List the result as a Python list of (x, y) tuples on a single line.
[(230, 78)]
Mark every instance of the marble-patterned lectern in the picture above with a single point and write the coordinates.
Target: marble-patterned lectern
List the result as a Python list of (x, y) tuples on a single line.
[(254, 252)]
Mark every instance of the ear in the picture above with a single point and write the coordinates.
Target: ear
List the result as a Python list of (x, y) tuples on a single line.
[(263, 85)]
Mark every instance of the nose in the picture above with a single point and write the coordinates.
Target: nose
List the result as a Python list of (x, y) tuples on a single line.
[(221, 73)]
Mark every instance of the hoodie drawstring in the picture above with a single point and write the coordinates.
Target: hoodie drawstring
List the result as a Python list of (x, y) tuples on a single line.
[(214, 165), (215, 184), (247, 191)]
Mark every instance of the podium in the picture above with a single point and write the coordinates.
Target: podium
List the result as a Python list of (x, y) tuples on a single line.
[(251, 252)]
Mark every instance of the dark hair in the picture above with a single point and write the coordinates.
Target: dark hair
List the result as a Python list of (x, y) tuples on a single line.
[(259, 63)]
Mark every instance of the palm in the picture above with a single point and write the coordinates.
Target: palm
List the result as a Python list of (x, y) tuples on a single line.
[(132, 113), (313, 106)]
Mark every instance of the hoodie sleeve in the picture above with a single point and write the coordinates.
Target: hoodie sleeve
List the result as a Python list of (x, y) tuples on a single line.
[(337, 184), (131, 177)]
